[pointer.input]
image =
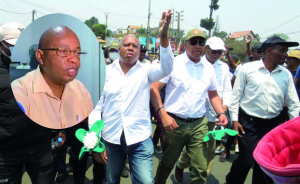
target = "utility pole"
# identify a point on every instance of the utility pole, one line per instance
(178, 27)
(106, 14)
(148, 28)
(33, 12)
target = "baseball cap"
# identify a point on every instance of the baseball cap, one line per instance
(143, 48)
(256, 46)
(114, 45)
(10, 32)
(295, 54)
(276, 40)
(234, 57)
(216, 43)
(194, 33)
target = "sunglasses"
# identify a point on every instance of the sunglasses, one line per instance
(194, 42)
(220, 52)
(258, 51)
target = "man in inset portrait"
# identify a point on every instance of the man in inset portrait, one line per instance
(50, 95)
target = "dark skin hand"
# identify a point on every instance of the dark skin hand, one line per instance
(238, 127)
(100, 157)
(63, 136)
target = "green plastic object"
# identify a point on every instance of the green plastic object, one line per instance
(218, 134)
(81, 133)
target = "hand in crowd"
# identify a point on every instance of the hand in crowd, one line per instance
(222, 120)
(169, 123)
(227, 51)
(63, 136)
(238, 127)
(164, 23)
(100, 157)
(249, 39)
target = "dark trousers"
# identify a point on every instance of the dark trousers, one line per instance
(39, 167)
(255, 129)
(79, 166)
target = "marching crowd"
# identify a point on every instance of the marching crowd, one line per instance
(188, 94)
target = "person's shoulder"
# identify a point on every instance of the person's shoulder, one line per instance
(78, 85)
(24, 80)
(285, 71)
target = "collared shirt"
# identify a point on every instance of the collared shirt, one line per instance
(187, 87)
(124, 103)
(261, 93)
(224, 87)
(145, 61)
(44, 108)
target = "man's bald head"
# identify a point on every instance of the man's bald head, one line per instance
(56, 67)
(54, 33)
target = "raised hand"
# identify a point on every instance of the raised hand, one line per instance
(249, 39)
(164, 23)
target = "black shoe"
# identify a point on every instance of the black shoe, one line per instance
(178, 175)
(61, 177)
(125, 173)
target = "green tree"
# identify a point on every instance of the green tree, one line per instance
(281, 35)
(99, 30)
(142, 31)
(208, 23)
(239, 48)
(90, 22)
(257, 36)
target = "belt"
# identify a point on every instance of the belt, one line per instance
(182, 119)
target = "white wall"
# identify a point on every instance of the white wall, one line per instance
(92, 70)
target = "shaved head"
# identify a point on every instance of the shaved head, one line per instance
(55, 33)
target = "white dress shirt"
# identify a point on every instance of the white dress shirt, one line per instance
(224, 87)
(261, 93)
(124, 103)
(187, 87)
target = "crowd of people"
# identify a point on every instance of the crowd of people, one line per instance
(187, 95)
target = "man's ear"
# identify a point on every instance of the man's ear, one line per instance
(268, 51)
(39, 54)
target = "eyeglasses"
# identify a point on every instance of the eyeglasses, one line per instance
(194, 42)
(65, 52)
(259, 51)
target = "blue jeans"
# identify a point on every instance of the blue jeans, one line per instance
(140, 157)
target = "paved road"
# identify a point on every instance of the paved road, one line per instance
(219, 171)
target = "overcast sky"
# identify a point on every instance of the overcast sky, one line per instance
(264, 17)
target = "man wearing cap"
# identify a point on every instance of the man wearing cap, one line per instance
(124, 107)
(256, 54)
(113, 53)
(50, 95)
(293, 61)
(22, 141)
(143, 51)
(260, 91)
(183, 112)
(214, 48)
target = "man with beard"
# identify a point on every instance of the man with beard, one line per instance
(50, 95)
(260, 91)
(23, 143)
(124, 108)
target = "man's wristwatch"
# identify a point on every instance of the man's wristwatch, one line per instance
(220, 115)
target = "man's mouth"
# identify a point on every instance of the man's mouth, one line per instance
(129, 54)
(72, 72)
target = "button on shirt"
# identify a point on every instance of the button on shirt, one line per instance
(224, 87)
(187, 87)
(124, 103)
(44, 108)
(261, 93)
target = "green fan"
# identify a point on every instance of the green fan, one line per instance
(90, 139)
(218, 134)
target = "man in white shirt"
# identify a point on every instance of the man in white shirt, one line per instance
(260, 91)
(214, 48)
(184, 108)
(124, 108)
